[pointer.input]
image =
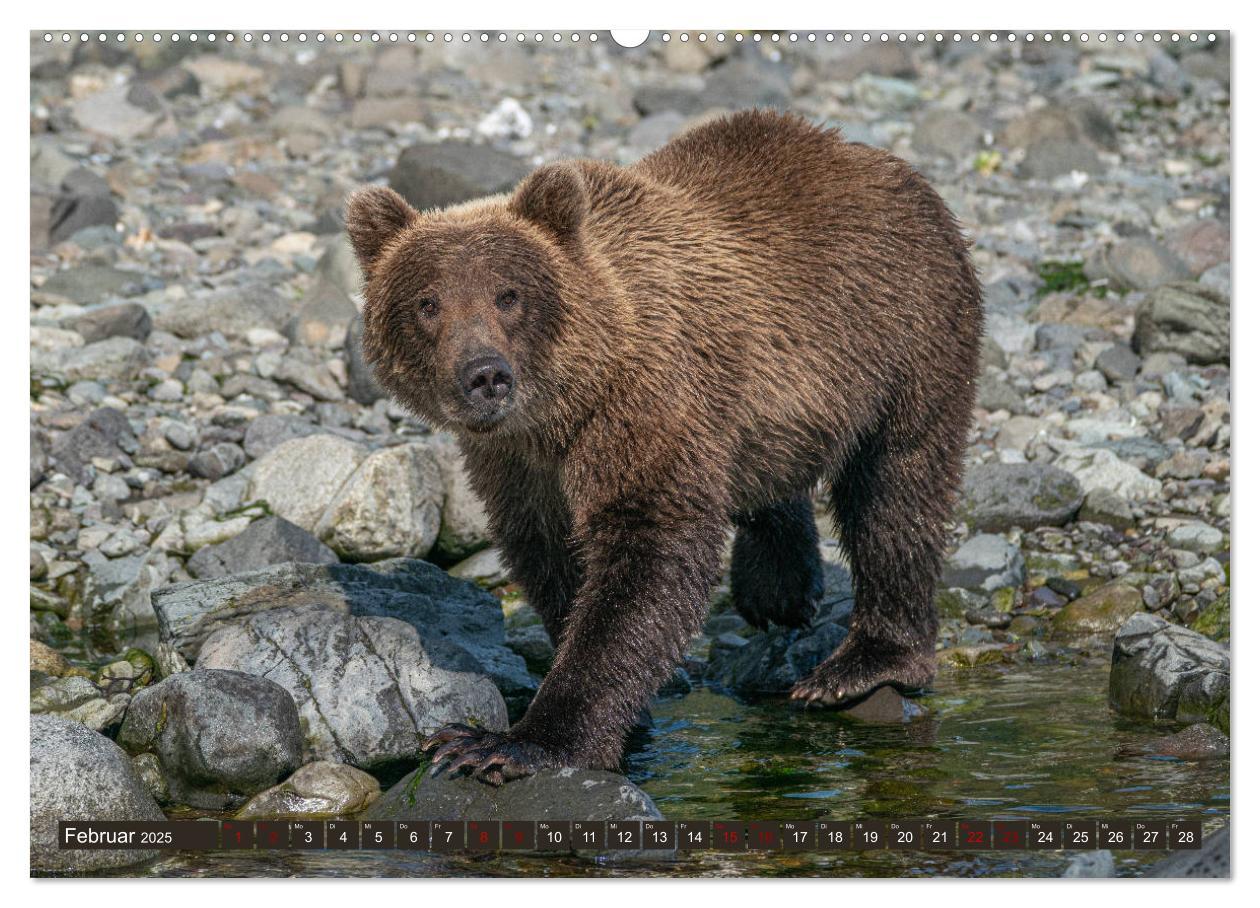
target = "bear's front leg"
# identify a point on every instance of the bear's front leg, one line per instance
(650, 561)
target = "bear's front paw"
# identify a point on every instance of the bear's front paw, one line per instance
(488, 756)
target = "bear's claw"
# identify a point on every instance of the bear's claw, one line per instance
(488, 756)
(855, 669)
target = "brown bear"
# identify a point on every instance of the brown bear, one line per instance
(635, 358)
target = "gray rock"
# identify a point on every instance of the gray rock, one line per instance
(984, 562)
(219, 736)
(1164, 672)
(533, 644)
(1196, 537)
(1091, 865)
(440, 607)
(1059, 343)
(682, 99)
(1101, 611)
(1141, 453)
(368, 689)
(272, 540)
(486, 568)
(745, 81)
(328, 307)
(169, 661)
(465, 523)
(734, 84)
(110, 113)
(89, 284)
(1118, 363)
(232, 311)
(1078, 121)
(272, 429)
(104, 433)
(113, 359)
(1219, 279)
(996, 393)
(885, 92)
(79, 774)
(299, 478)
(149, 772)
(79, 700)
(49, 164)
(217, 461)
(553, 794)
(226, 498)
(1159, 364)
(884, 705)
(38, 458)
(655, 130)
(773, 661)
(84, 201)
(318, 790)
(117, 592)
(1106, 507)
(1138, 263)
(1212, 861)
(1099, 468)
(39, 565)
(434, 176)
(1201, 244)
(1188, 319)
(999, 496)
(362, 385)
(312, 378)
(1195, 742)
(1058, 157)
(947, 133)
(390, 507)
(113, 320)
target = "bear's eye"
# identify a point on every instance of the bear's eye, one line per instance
(428, 306)
(506, 300)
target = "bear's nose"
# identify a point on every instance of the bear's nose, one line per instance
(487, 379)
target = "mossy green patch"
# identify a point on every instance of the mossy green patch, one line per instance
(1213, 621)
(1003, 599)
(1064, 277)
(950, 603)
(1099, 612)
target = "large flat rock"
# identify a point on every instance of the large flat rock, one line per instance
(554, 794)
(368, 690)
(441, 608)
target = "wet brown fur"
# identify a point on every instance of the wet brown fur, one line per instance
(700, 338)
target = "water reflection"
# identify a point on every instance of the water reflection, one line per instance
(1029, 742)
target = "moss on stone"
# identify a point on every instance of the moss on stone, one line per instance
(1213, 621)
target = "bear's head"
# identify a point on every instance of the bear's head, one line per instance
(466, 309)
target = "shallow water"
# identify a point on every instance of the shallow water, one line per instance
(1013, 743)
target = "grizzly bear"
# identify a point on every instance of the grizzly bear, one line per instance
(635, 358)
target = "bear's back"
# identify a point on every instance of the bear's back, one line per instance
(761, 164)
(808, 267)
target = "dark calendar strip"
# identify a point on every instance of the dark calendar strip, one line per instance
(450, 836)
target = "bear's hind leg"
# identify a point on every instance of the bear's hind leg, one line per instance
(891, 500)
(776, 569)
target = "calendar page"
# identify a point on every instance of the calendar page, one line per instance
(630, 453)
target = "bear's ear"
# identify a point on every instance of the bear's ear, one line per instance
(374, 216)
(554, 197)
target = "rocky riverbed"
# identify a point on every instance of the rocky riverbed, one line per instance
(234, 534)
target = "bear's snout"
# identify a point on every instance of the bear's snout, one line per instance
(486, 381)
